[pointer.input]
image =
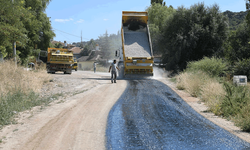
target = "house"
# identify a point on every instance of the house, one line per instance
(86, 62)
(76, 51)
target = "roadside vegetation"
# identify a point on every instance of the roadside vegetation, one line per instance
(204, 48)
(26, 23)
(19, 90)
(208, 80)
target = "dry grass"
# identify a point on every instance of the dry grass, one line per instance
(200, 85)
(15, 78)
(191, 82)
(212, 94)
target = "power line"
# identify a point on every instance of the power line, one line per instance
(70, 34)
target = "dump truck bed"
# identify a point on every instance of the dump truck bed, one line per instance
(136, 44)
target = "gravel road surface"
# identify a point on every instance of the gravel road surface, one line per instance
(93, 114)
(149, 115)
(136, 44)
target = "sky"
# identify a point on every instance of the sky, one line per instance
(89, 19)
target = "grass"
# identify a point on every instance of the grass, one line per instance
(15, 102)
(19, 90)
(220, 95)
(14, 78)
(212, 93)
(191, 82)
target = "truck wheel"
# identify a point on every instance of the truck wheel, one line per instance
(75, 69)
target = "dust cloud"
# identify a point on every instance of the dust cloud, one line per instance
(160, 73)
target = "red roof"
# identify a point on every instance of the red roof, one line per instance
(94, 56)
(76, 50)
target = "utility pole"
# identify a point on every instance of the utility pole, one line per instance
(14, 46)
(81, 39)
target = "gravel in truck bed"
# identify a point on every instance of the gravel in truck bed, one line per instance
(136, 44)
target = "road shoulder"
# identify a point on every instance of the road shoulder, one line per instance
(201, 108)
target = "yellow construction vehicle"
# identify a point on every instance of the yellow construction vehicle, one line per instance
(136, 55)
(59, 60)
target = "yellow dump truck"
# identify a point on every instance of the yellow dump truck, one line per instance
(136, 55)
(59, 60)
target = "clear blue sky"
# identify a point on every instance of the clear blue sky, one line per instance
(94, 17)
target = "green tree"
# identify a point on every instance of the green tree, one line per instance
(158, 15)
(248, 12)
(38, 26)
(25, 22)
(11, 26)
(237, 46)
(88, 47)
(159, 2)
(191, 34)
(105, 45)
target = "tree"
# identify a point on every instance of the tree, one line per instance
(105, 45)
(88, 47)
(237, 46)
(38, 26)
(25, 22)
(248, 12)
(11, 26)
(158, 15)
(159, 2)
(191, 34)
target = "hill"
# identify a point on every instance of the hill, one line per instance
(235, 18)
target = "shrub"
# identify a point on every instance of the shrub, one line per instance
(235, 99)
(212, 66)
(242, 120)
(242, 67)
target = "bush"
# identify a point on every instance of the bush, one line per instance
(212, 66)
(235, 100)
(225, 99)
(242, 67)
(242, 120)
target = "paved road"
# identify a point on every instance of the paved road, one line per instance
(149, 115)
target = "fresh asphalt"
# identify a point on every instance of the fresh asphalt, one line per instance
(150, 116)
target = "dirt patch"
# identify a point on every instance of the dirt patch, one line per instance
(77, 120)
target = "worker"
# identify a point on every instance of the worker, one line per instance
(94, 67)
(113, 67)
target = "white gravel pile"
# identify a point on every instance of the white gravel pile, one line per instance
(136, 44)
